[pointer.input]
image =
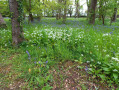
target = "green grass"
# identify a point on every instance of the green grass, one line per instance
(50, 42)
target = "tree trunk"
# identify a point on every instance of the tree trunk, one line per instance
(58, 15)
(17, 30)
(92, 11)
(53, 13)
(100, 9)
(114, 15)
(2, 22)
(30, 14)
(70, 11)
(70, 14)
(103, 19)
(88, 11)
(65, 10)
(30, 17)
(59, 1)
(88, 5)
(77, 14)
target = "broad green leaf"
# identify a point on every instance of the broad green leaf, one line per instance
(102, 76)
(115, 75)
(106, 69)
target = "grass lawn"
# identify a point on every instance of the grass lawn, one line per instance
(56, 56)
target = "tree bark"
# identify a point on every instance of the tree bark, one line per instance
(58, 15)
(92, 11)
(88, 5)
(65, 10)
(100, 9)
(53, 13)
(77, 14)
(2, 22)
(17, 30)
(114, 15)
(70, 11)
(30, 14)
(59, 1)
(103, 19)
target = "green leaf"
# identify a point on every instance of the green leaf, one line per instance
(47, 87)
(106, 69)
(102, 76)
(115, 75)
(98, 71)
(47, 78)
(40, 80)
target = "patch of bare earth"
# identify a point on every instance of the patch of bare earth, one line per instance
(69, 77)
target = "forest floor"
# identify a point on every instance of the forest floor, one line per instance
(62, 55)
(68, 75)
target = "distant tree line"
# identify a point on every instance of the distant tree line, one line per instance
(63, 8)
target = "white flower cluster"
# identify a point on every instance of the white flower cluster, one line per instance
(116, 59)
(54, 34)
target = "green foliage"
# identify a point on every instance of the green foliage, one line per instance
(39, 75)
(37, 8)
(97, 46)
(106, 7)
(45, 7)
(20, 10)
(4, 8)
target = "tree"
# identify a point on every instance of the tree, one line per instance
(2, 22)
(70, 11)
(107, 9)
(4, 9)
(92, 11)
(66, 5)
(114, 16)
(30, 14)
(65, 11)
(77, 14)
(16, 20)
(49, 8)
(37, 9)
(100, 9)
(59, 9)
(88, 5)
(28, 7)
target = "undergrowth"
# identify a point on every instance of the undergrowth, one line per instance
(49, 42)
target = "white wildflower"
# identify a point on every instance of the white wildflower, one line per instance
(99, 62)
(115, 70)
(88, 61)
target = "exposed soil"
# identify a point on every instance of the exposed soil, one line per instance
(69, 77)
